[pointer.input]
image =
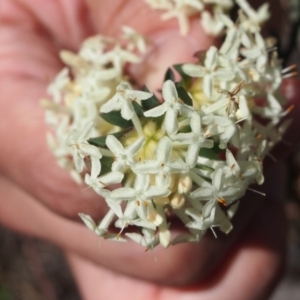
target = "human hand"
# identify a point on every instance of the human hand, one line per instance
(39, 198)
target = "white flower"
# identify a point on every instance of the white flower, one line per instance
(135, 39)
(257, 159)
(211, 216)
(147, 239)
(233, 105)
(255, 18)
(102, 229)
(119, 57)
(238, 170)
(98, 184)
(95, 87)
(56, 88)
(164, 233)
(193, 236)
(210, 71)
(182, 10)
(222, 128)
(82, 149)
(236, 104)
(257, 53)
(122, 100)
(88, 221)
(123, 156)
(217, 192)
(84, 112)
(195, 139)
(160, 4)
(224, 4)
(212, 23)
(272, 110)
(142, 193)
(129, 217)
(93, 48)
(163, 166)
(172, 106)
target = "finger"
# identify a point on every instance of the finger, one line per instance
(249, 273)
(21, 212)
(178, 265)
(28, 59)
(64, 22)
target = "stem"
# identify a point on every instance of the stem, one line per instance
(196, 178)
(137, 124)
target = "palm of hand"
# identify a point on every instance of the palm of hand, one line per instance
(30, 179)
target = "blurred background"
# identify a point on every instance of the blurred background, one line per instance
(31, 269)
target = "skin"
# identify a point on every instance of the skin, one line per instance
(40, 199)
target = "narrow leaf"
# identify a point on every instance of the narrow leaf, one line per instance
(101, 140)
(138, 109)
(106, 163)
(184, 76)
(151, 102)
(183, 95)
(114, 117)
(169, 75)
(212, 153)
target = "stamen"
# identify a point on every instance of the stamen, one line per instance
(222, 201)
(290, 108)
(214, 233)
(257, 192)
(272, 157)
(289, 68)
(86, 188)
(290, 75)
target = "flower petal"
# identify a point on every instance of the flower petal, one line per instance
(88, 221)
(169, 92)
(114, 145)
(164, 150)
(124, 193)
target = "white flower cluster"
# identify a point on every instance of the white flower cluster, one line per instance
(190, 156)
(209, 12)
(89, 79)
(213, 14)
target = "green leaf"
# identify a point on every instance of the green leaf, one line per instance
(205, 168)
(184, 76)
(153, 203)
(212, 153)
(200, 55)
(183, 95)
(169, 75)
(151, 102)
(101, 140)
(114, 117)
(106, 163)
(138, 109)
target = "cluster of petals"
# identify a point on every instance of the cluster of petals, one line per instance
(207, 144)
